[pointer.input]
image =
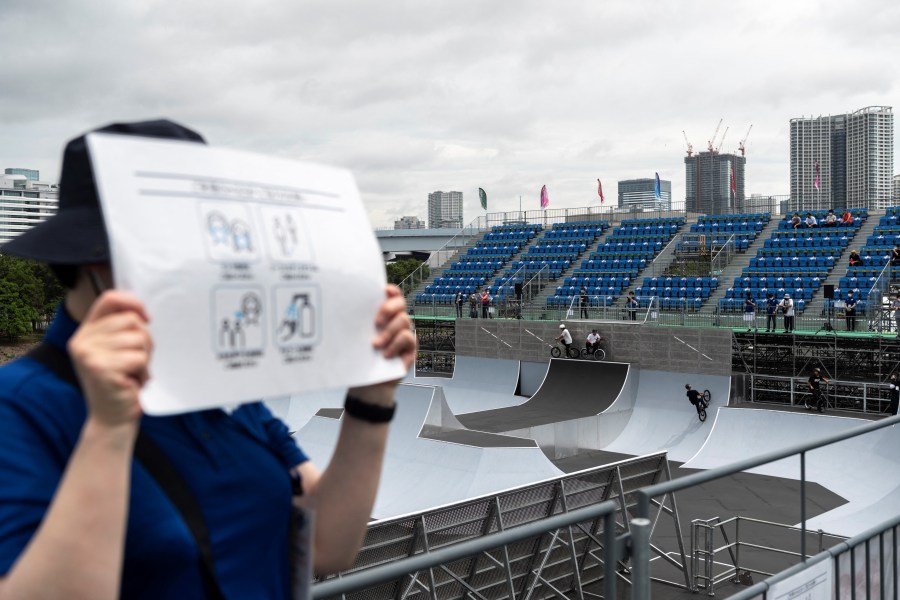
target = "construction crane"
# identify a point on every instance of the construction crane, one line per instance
(741, 143)
(690, 147)
(722, 140)
(715, 133)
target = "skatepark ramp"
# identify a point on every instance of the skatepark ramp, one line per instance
(431, 460)
(551, 565)
(865, 470)
(562, 415)
(480, 383)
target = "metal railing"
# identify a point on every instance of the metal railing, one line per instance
(704, 550)
(435, 558)
(853, 396)
(645, 496)
(871, 575)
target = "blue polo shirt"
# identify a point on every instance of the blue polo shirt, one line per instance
(236, 466)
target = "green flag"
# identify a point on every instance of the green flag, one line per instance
(483, 197)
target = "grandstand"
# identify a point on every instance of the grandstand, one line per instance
(621, 430)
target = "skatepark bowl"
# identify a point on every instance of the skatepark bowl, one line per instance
(475, 484)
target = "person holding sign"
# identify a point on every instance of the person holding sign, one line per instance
(102, 501)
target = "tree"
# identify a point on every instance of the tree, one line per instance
(400, 270)
(29, 294)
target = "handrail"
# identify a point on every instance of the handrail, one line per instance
(828, 554)
(416, 275)
(644, 495)
(382, 573)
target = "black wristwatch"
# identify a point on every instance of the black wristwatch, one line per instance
(366, 411)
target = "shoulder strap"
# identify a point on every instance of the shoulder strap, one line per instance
(156, 463)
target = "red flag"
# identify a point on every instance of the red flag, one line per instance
(600, 191)
(733, 186)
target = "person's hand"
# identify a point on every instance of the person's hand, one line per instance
(111, 353)
(395, 338)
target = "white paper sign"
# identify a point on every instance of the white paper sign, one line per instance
(261, 275)
(816, 582)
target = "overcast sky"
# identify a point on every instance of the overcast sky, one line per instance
(417, 96)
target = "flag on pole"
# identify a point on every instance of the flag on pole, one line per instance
(483, 197)
(816, 182)
(733, 185)
(600, 191)
(545, 199)
(657, 189)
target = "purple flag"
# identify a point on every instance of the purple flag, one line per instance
(816, 183)
(545, 199)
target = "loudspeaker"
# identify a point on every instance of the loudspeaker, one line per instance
(518, 287)
(829, 292)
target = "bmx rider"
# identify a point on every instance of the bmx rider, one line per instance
(814, 381)
(593, 341)
(565, 337)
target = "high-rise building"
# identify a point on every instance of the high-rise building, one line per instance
(896, 190)
(409, 223)
(445, 210)
(30, 174)
(843, 160)
(640, 194)
(24, 203)
(714, 183)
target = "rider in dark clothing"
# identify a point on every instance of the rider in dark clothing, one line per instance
(814, 380)
(692, 394)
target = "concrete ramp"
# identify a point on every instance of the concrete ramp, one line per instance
(477, 384)
(422, 473)
(297, 409)
(663, 419)
(864, 470)
(562, 414)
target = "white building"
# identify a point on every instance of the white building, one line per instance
(445, 210)
(409, 223)
(855, 157)
(24, 203)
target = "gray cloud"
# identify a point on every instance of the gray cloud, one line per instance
(417, 96)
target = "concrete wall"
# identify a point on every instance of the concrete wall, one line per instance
(685, 349)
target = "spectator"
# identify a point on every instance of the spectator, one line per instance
(810, 220)
(847, 218)
(749, 311)
(631, 304)
(850, 311)
(78, 521)
(771, 312)
(583, 301)
(830, 219)
(895, 255)
(485, 303)
(796, 223)
(473, 305)
(459, 301)
(787, 309)
(855, 260)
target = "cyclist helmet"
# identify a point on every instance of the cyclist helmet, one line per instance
(562, 326)
(687, 386)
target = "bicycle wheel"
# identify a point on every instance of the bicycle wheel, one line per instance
(599, 354)
(555, 352)
(585, 353)
(574, 352)
(706, 397)
(701, 412)
(820, 402)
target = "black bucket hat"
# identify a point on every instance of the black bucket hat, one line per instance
(76, 235)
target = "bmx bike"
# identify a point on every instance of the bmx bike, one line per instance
(819, 402)
(597, 354)
(571, 351)
(705, 397)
